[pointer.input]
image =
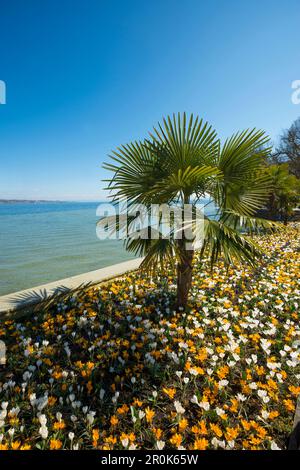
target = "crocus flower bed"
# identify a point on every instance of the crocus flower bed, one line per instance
(115, 367)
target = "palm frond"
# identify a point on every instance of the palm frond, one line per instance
(232, 245)
(246, 184)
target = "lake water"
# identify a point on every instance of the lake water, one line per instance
(45, 242)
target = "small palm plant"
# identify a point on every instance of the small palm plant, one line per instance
(181, 163)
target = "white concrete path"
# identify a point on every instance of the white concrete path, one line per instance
(34, 295)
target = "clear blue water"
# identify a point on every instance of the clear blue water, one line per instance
(44, 242)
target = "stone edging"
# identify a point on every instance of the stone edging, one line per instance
(29, 297)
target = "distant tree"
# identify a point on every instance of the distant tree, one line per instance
(288, 150)
(285, 195)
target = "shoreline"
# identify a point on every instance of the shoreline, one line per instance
(20, 300)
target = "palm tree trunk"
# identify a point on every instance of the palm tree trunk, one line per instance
(184, 279)
(272, 208)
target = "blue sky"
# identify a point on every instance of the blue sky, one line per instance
(83, 77)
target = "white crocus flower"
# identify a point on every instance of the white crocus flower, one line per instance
(265, 414)
(179, 408)
(253, 386)
(205, 405)
(194, 400)
(220, 412)
(223, 383)
(43, 420)
(132, 447)
(43, 432)
(160, 445)
(263, 395)
(125, 442)
(241, 397)
(90, 417)
(274, 446)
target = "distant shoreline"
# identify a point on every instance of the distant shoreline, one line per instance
(44, 201)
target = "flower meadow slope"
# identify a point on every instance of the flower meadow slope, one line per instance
(115, 367)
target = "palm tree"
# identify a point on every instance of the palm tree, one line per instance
(181, 163)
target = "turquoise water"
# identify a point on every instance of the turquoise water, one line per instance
(44, 242)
